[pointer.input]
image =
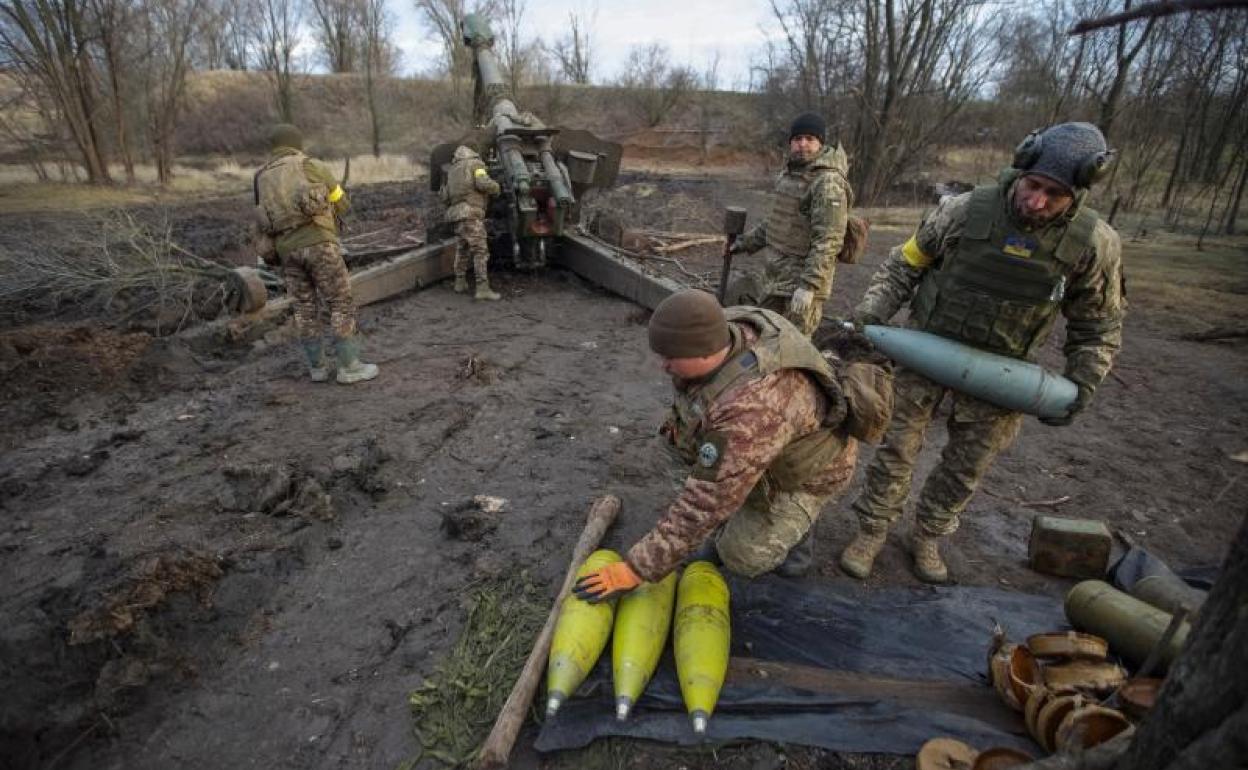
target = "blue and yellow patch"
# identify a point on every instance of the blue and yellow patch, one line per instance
(1019, 246)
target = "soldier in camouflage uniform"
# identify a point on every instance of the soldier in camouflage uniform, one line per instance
(298, 202)
(467, 190)
(991, 268)
(804, 229)
(759, 415)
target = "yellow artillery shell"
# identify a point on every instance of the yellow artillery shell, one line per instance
(581, 634)
(702, 636)
(642, 620)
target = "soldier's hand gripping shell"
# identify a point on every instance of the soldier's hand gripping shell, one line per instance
(1081, 402)
(607, 583)
(800, 303)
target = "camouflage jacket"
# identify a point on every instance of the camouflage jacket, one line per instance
(1094, 303)
(319, 229)
(753, 423)
(468, 187)
(805, 227)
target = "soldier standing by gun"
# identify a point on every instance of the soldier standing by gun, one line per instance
(298, 201)
(804, 231)
(991, 268)
(466, 193)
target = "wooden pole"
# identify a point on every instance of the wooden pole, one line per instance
(497, 746)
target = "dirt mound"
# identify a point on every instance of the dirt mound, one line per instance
(51, 359)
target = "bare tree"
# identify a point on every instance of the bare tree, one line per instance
(49, 41)
(516, 52)
(380, 61)
(113, 21)
(653, 86)
(168, 27)
(337, 32)
(277, 36)
(574, 50)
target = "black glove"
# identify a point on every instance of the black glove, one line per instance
(860, 320)
(1081, 402)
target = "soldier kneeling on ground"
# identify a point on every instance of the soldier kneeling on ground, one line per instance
(298, 202)
(768, 425)
(466, 193)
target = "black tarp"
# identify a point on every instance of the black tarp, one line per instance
(911, 664)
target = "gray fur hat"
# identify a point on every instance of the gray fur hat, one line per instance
(1072, 154)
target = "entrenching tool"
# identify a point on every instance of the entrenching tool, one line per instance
(497, 746)
(734, 225)
(702, 632)
(642, 619)
(581, 634)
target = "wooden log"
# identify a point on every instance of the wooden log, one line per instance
(497, 746)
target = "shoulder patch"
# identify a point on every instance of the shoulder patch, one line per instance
(710, 456)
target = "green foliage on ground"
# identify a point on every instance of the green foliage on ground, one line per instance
(456, 706)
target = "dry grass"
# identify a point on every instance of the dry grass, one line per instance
(1193, 289)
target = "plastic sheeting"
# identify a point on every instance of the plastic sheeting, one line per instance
(839, 666)
(1137, 564)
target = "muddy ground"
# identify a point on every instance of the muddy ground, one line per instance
(209, 561)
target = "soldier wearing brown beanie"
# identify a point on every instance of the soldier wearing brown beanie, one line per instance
(759, 416)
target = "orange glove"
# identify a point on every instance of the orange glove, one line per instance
(607, 583)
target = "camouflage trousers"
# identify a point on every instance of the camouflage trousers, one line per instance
(753, 289)
(759, 535)
(470, 235)
(978, 432)
(317, 274)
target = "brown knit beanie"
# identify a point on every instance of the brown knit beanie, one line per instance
(688, 324)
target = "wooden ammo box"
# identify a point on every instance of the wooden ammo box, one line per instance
(1077, 548)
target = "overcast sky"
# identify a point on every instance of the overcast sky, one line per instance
(694, 30)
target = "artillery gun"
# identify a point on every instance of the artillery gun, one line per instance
(544, 172)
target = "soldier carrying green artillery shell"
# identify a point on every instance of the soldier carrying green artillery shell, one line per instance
(297, 201)
(761, 416)
(991, 268)
(804, 231)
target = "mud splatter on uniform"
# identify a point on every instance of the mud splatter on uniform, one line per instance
(766, 456)
(1076, 262)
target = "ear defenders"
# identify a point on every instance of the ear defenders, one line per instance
(1089, 171)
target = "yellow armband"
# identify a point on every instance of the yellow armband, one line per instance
(337, 194)
(914, 255)
(480, 173)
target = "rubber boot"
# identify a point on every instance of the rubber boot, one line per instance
(859, 556)
(314, 352)
(461, 283)
(928, 566)
(485, 292)
(350, 369)
(801, 557)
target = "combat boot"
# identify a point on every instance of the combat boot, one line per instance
(314, 352)
(485, 292)
(350, 368)
(801, 557)
(928, 566)
(859, 556)
(461, 284)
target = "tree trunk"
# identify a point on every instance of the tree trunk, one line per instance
(1201, 716)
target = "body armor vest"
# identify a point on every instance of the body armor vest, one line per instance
(779, 346)
(282, 191)
(1001, 287)
(463, 198)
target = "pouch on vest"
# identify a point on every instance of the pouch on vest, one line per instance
(869, 395)
(855, 243)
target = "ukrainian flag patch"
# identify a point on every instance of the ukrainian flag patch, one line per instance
(1019, 246)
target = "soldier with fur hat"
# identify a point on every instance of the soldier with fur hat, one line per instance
(298, 201)
(804, 230)
(759, 416)
(991, 268)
